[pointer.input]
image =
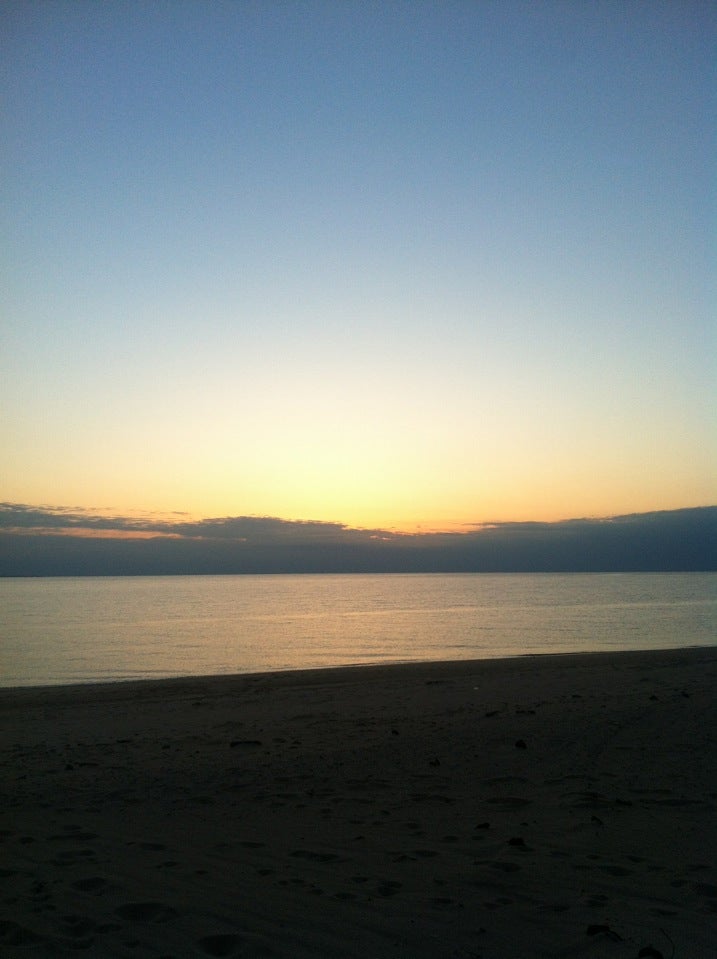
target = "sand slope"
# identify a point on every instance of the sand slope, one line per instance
(552, 806)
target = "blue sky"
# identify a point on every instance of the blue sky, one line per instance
(394, 264)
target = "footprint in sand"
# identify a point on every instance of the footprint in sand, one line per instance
(503, 866)
(445, 902)
(74, 836)
(708, 892)
(615, 870)
(91, 884)
(12, 934)
(597, 901)
(388, 888)
(221, 944)
(79, 928)
(69, 857)
(314, 856)
(145, 912)
(509, 802)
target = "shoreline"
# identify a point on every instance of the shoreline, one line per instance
(156, 683)
(553, 804)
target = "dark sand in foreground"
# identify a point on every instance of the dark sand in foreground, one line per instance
(550, 806)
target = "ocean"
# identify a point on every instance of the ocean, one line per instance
(87, 629)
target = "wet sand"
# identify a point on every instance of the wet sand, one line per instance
(542, 806)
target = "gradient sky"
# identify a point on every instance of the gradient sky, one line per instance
(386, 264)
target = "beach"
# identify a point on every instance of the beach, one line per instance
(535, 806)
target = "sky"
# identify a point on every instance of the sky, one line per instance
(407, 266)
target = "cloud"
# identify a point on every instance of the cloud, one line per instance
(260, 530)
(63, 519)
(46, 541)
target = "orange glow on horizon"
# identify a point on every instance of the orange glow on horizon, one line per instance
(84, 532)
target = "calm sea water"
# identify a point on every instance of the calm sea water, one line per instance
(67, 630)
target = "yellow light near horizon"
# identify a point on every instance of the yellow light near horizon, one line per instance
(379, 460)
(363, 502)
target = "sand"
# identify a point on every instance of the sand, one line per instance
(542, 806)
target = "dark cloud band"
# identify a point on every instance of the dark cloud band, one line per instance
(44, 541)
